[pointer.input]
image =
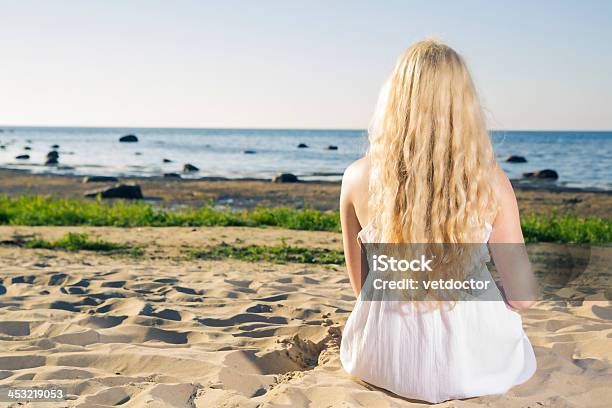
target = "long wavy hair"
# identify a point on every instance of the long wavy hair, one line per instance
(432, 162)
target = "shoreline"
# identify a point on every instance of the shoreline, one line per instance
(517, 184)
(248, 193)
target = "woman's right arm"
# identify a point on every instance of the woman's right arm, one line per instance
(350, 228)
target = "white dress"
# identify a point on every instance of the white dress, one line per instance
(476, 348)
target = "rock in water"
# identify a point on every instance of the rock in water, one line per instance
(129, 191)
(23, 157)
(542, 174)
(249, 152)
(128, 139)
(51, 161)
(285, 178)
(172, 175)
(302, 146)
(515, 159)
(332, 147)
(100, 179)
(27, 148)
(190, 168)
(167, 161)
(55, 146)
(53, 155)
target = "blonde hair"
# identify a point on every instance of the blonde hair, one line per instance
(432, 162)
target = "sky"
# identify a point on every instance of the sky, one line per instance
(540, 65)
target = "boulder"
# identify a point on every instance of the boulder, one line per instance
(285, 178)
(100, 179)
(128, 191)
(515, 159)
(249, 152)
(23, 157)
(51, 161)
(172, 175)
(302, 146)
(542, 174)
(128, 139)
(332, 147)
(167, 161)
(53, 155)
(190, 168)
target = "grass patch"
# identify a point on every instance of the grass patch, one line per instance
(567, 229)
(37, 210)
(271, 253)
(77, 242)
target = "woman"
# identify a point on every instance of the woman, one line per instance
(430, 176)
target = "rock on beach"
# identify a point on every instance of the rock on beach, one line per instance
(285, 178)
(128, 191)
(100, 179)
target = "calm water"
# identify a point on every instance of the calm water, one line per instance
(582, 159)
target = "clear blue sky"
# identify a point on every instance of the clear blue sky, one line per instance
(319, 64)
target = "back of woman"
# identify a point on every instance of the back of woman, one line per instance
(430, 178)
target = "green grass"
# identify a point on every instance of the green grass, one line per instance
(567, 229)
(37, 210)
(75, 242)
(271, 253)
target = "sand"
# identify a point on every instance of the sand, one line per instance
(161, 330)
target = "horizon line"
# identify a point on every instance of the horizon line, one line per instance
(347, 129)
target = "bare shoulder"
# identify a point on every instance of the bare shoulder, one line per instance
(356, 176)
(355, 186)
(504, 186)
(507, 209)
(357, 170)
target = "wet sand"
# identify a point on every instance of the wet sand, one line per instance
(541, 199)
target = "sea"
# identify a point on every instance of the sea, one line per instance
(582, 159)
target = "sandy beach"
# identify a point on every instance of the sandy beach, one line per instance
(160, 328)
(163, 330)
(172, 224)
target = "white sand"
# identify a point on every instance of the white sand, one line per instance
(164, 332)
